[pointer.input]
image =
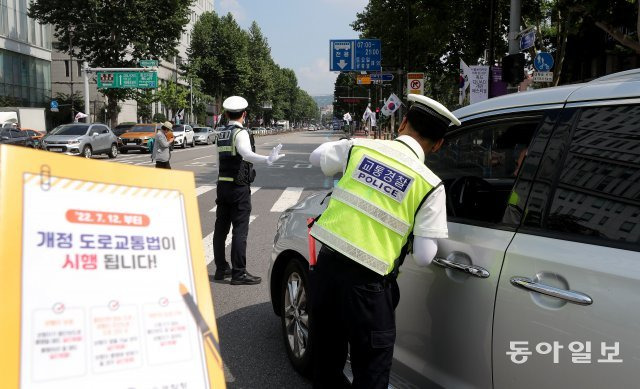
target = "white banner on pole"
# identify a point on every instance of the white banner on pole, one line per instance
(479, 83)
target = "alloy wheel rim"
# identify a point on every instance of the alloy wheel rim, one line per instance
(87, 152)
(296, 315)
(114, 151)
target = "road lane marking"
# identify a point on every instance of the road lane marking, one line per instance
(204, 189)
(207, 242)
(254, 189)
(289, 198)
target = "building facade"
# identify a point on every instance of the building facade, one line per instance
(25, 57)
(65, 69)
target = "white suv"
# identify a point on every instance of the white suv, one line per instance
(540, 274)
(183, 136)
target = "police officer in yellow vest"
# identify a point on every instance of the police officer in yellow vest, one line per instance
(236, 155)
(386, 203)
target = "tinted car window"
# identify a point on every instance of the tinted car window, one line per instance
(70, 130)
(178, 128)
(201, 129)
(150, 128)
(102, 129)
(598, 189)
(479, 165)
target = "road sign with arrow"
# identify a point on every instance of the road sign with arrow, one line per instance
(355, 55)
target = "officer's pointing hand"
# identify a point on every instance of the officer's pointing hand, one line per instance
(274, 156)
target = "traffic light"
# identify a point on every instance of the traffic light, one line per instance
(513, 68)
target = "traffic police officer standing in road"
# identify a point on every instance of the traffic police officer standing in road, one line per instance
(386, 202)
(236, 156)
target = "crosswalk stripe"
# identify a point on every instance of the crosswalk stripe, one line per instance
(254, 189)
(204, 189)
(207, 242)
(288, 199)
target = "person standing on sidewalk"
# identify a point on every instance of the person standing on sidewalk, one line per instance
(236, 156)
(161, 153)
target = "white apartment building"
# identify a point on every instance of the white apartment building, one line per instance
(25, 57)
(63, 70)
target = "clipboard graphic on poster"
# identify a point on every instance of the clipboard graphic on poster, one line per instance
(106, 285)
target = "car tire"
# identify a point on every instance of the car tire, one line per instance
(87, 152)
(113, 152)
(184, 144)
(209, 141)
(295, 317)
(193, 143)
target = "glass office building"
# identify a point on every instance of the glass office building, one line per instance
(25, 57)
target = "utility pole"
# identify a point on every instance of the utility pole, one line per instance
(85, 72)
(191, 103)
(514, 26)
(71, 74)
(490, 58)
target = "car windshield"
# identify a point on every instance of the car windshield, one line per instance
(70, 130)
(122, 130)
(149, 128)
(178, 129)
(200, 129)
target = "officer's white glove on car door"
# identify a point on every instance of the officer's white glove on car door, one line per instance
(274, 156)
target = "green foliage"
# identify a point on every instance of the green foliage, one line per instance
(173, 96)
(144, 100)
(159, 117)
(115, 33)
(230, 61)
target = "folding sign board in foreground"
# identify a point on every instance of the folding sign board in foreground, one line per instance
(104, 283)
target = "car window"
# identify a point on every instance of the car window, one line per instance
(143, 128)
(70, 130)
(597, 190)
(479, 165)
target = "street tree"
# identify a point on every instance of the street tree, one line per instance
(173, 96)
(115, 33)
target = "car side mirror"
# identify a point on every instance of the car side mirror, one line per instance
(95, 134)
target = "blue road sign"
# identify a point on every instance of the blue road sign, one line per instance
(355, 55)
(384, 77)
(54, 104)
(527, 40)
(543, 62)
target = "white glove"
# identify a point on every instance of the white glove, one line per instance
(274, 156)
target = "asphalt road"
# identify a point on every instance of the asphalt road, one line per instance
(250, 335)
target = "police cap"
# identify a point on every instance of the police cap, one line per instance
(434, 109)
(235, 104)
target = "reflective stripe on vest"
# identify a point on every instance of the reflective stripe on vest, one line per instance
(349, 250)
(375, 212)
(372, 210)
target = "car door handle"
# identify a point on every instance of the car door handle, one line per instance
(476, 271)
(569, 295)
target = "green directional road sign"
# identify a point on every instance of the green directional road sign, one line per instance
(134, 80)
(148, 63)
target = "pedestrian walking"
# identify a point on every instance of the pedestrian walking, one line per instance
(160, 152)
(386, 204)
(236, 156)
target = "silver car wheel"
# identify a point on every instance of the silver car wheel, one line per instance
(86, 152)
(296, 315)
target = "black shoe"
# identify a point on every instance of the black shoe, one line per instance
(246, 279)
(221, 275)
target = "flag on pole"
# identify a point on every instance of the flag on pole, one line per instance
(391, 105)
(465, 76)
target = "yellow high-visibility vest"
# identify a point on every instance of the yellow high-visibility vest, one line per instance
(372, 209)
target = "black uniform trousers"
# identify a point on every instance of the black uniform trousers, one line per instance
(234, 208)
(352, 305)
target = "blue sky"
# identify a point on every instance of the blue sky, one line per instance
(299, 32)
